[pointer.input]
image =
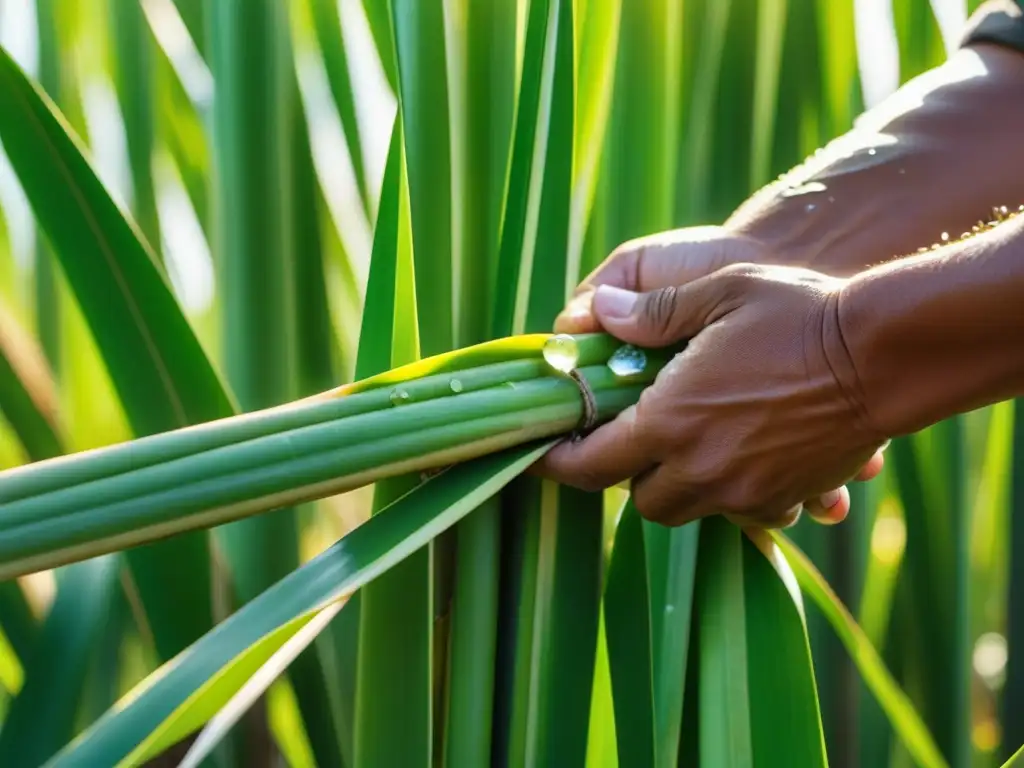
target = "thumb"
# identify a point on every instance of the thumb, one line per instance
(656, 318)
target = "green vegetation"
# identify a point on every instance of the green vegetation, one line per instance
(291, 516)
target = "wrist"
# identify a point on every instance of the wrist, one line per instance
(935, 335)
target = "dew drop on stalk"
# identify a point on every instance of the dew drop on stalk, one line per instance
(399, 397)
(627, 361)
(561, 352)
(455, 386)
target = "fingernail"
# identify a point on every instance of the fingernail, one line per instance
(830, 499)
(613, 302)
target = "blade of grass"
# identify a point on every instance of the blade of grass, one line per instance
(184, 89)
(178, 699)
(327, 25)
(920, 41)
(630, 650)
(316, 347)
(133, 82)
(554, 565)
(423, 99)
(930, 476)
(47, 301)
(720, 600)
(771, 30)
(603, 739)
(699, 110)
(194, 17)
(38, 722)
(315, 373)
(395, 673)
(256, 685)
(671, 560)
(785, 723)
(1013, 692)
(379, 18)
(597, 55)
(640, 185)
(644, 130)
(158, 367)
(252, 122)
(19, 623)
(481, 55)
(894, 702)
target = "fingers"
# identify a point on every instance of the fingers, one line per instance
(612, 453)
(830, 508)
(648, 263)
(660, 317)
(660, 496)
(873, 468)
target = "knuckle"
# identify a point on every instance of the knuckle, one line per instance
(659, 308)
(736, 279)
(649, 510)
(585, 479)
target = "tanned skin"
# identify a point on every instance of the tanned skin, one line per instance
(816, 331)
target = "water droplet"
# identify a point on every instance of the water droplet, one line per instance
(627, 361)
(455, 386)
(902, 171)
(831, 199)
(944, 237)
(561, 352)
(810, 207)
(872, 151)
(399, 397)
(804, 189)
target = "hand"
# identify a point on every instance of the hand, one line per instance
(749, 420)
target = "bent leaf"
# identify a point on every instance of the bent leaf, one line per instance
(894, 702)
(180, 696)
(158, 368)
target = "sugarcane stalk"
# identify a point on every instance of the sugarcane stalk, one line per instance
(419, 418)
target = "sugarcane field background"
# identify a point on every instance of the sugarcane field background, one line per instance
(370, 212)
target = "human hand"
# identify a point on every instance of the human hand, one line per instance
(750, 419)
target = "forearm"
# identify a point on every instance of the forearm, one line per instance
(935, 157)
(927, 337)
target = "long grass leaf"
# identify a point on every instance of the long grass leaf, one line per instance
(179, 698)
(904, 719)
(159, 370)
(481, 50)
(133, 81)
(327, 26)
(720, 601)
(785, 723)
(671, 561)
(628, 628)
(39, 722)
(256, 685)
(395, 670)
(252, 127)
